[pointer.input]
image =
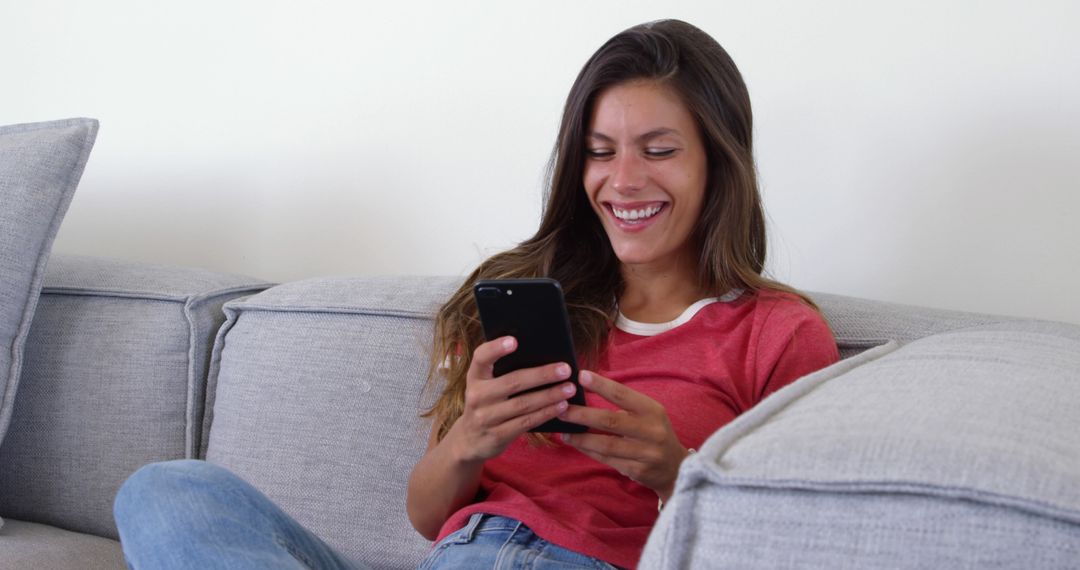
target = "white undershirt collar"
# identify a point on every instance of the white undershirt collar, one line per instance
(652, 329)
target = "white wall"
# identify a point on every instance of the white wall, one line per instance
(918, 152)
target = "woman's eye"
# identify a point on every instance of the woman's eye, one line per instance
(659, 152)
(599, 153)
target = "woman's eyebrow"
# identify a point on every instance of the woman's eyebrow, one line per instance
(657, 133)
(645, 137)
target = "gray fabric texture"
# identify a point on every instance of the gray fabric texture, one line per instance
(40, 166)
(788, 528)
(859, 324)
(115, 378)
(317, 386)
(25, 545)
(973, 431)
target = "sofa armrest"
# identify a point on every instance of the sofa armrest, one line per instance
(958, 450)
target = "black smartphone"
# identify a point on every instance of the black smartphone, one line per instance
(533, 312)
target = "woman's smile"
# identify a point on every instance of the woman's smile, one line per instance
(634, 216)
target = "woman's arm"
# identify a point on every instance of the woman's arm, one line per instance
(447, 477)
(440, 484)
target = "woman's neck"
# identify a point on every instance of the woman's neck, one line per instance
(657, 293)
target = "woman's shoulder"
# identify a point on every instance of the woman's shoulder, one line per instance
(786, 302)
(793, 339)
(776, 309)
(763, 309)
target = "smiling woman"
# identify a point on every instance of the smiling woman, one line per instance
(655, 229)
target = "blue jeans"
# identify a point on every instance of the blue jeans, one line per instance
(195, 515)
(501, 543)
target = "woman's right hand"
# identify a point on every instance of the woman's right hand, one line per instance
(447, 477)
(492, 419)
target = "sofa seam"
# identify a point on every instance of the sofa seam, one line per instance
(245, 306)
(915, 488)
(193, 432)
(147, 295)
(213, 371)
(864, 342)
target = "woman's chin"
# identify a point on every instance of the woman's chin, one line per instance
(635, 257)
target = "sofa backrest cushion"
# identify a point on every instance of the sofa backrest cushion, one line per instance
(859, 324)
(316, 388)
(960, 447)
(115, 378)
(40, 166)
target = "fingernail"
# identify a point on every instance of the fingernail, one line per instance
(565, 437)
(568, 389)
(508, 343)
(561, 406)
(563, 371)
(585, 378)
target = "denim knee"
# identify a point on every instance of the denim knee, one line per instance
(143, 491)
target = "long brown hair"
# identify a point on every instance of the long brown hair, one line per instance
(571, 245)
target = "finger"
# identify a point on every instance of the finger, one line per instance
(485, 355)
(623, 397)
(626, 467)
(612, 447)
(528, 378)
(611, 421)
(528, 403)
(518, 425)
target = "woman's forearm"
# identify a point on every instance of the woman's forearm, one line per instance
(441, 483)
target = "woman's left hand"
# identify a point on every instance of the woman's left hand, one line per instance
(642, 444)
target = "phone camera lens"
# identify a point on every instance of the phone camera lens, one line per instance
(488, 292)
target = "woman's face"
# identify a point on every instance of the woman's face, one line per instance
(645, 172)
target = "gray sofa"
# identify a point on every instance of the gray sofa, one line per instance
(942, 440)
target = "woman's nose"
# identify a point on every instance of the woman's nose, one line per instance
(628, 174)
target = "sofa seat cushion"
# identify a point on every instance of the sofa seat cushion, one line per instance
(115, 378)
(959, 450)
(33, 545)
(317, 389)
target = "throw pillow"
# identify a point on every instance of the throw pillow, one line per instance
(40, 166)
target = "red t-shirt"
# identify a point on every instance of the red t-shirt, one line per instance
(715, 361)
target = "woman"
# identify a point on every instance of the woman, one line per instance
(654, 225)
(655, 230)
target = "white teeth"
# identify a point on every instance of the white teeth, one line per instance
(634, 215)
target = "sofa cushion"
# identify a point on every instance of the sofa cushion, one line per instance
(318, 386)
(40, 166)
(960, 450)
(32, 545)
(114, 379)
(859, 324)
